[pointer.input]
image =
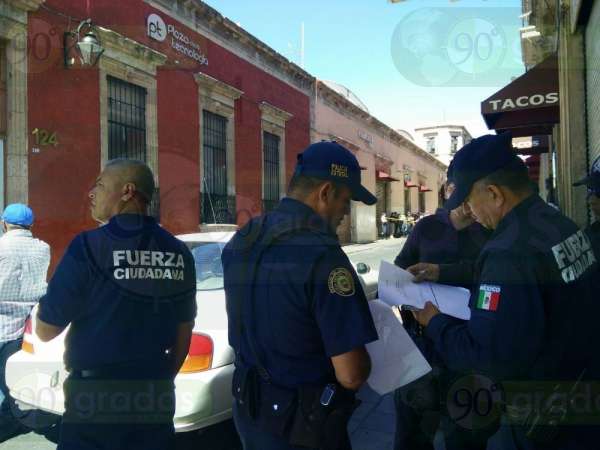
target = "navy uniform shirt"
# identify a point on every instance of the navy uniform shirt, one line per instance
(435, 240)
(308, 303)
(124, 288)
(593, 232)
(533, 308)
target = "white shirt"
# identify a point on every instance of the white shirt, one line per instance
(24, 264)
(383, 218)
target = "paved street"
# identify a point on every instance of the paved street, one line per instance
(371, 427)
(372, 254)
(220, 437)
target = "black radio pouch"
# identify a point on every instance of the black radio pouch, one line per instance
(322, 426)
(245, 390)
(277, 409)
(270, 406)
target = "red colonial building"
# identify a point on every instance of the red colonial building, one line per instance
(217, 114)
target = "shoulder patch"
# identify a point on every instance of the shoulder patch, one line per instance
(340, 282)
(489, 297)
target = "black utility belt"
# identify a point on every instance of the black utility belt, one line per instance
(308, 416)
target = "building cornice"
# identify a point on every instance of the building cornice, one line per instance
(209, 22)
(276, 113)
(436, 127)
(130, 52)
(343, 104)
(211, 84)
(13, 14)
(25, 5)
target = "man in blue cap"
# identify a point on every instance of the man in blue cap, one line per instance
(532, 307)
(24, 263)
(298, 317)
(592, 182)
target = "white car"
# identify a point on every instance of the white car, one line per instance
(35, 374)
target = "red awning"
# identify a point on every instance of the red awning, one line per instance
(423, 188)
(528, 105)
(409, 184)
(384, 176)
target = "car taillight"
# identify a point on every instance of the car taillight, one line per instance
(200, 354)
(27, 345)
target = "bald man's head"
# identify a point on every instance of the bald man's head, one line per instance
(125, 186)
(135, 172)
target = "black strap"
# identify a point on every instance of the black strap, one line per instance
(271, 236)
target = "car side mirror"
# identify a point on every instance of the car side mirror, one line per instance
(362, 268)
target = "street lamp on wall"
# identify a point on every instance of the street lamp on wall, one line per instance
(86, 46)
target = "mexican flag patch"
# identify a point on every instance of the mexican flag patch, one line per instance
(489, 297)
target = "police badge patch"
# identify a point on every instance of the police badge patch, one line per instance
(340, 282)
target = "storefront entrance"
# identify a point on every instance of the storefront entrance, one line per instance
(382, 202)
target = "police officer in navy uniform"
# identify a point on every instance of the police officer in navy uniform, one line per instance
(452, 241)
(532, 308)
(298, 316)
(127, 289)
(592, 182)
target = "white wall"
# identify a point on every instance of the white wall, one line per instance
(443, 140)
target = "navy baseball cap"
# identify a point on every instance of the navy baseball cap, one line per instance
(328, 160)
(478, 159)
(450, 172)
(18, 214)
(592, 181)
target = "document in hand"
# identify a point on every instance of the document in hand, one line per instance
(396, 287)
(395, 359)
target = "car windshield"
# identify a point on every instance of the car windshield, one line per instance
(209, 271)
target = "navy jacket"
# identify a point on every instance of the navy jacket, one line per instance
(533, 307)
(593, 232)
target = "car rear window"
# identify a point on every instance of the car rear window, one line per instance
(209, 271)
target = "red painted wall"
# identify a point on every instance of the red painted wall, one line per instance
(67, 101)
(178, 151)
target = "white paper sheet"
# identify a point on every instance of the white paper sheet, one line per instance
(395, 359)
(396, 287)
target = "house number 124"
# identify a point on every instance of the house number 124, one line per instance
(44, 137)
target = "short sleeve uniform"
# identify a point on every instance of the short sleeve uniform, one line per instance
(308, 304)
(123, 289)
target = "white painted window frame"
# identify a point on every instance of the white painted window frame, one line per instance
(134, 63)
